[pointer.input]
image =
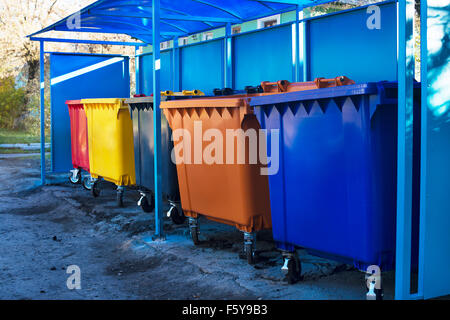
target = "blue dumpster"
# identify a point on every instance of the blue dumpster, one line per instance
(335, 191)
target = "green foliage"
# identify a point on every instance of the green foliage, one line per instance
(19, 107)
(12, 104)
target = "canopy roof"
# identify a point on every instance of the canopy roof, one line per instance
(178, 17)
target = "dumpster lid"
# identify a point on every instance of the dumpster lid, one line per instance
(102, 100)
(72, 102)
(141, 103)
(211, 102)
(232, 101)
(326, 93)
(139, 100)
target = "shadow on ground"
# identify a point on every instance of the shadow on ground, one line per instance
(46, 229)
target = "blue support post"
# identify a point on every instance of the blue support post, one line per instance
(404, 163)
(304, 48)
(136, 71)
(434, 243)
(228, 57)
(423, 139)
(159, 232)
(296, 43)
(176, 65)
(110, 43)
(42, 100)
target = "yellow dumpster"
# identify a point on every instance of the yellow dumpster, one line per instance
(111, 148)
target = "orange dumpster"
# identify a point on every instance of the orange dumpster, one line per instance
(234, 194)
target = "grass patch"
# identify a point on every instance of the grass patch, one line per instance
(19, 151)
(10, 137)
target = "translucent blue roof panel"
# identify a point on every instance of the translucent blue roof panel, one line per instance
(178, 17)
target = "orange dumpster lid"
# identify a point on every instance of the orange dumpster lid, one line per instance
(233, 101)
(204, 103)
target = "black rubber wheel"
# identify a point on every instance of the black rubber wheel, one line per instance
(294, 274)
(87, 183)
(95, 189)
(146, 205)
(194, 235)
(379, 293)
(249, 253)
(176, 217)
(77, 179)
(119, 199)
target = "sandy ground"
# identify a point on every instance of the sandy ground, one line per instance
(44, 230)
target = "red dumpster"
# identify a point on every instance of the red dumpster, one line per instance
(79, 140)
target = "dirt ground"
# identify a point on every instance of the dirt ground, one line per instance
(44, 230)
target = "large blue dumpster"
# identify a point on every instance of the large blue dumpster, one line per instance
(335, 191)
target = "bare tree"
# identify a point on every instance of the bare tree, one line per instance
(19, 18)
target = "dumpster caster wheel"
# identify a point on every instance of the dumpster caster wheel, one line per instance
(292, 268)
(119, 197)
(294, 271)
(75, 177)
(87, 183)
(95, 189)
(194, 235)
(193, 227)
(249, 247)
(249, 253)
(379, 293)
(146, 202)
(175, 214)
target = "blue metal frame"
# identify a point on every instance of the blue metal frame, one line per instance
(136, 71)
(42, 101)
(423, 139)
(434, 252)
(228, 56)
(86, 54)
(159, 230)
(296, 42)
(404, 164)
(176, 65)
(111, 43)
(304, 50)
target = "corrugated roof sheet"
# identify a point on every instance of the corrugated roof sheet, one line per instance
(178, 17)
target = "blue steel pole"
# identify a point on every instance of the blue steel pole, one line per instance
(136, 71)
(159, 232)
(228, 57)
(404, 163)
(42, 101)
(176, 65)
(297, 46)
(111, 43)
(423, 139)
(304, 49)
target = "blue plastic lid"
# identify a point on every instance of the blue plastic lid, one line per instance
(326, 93)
